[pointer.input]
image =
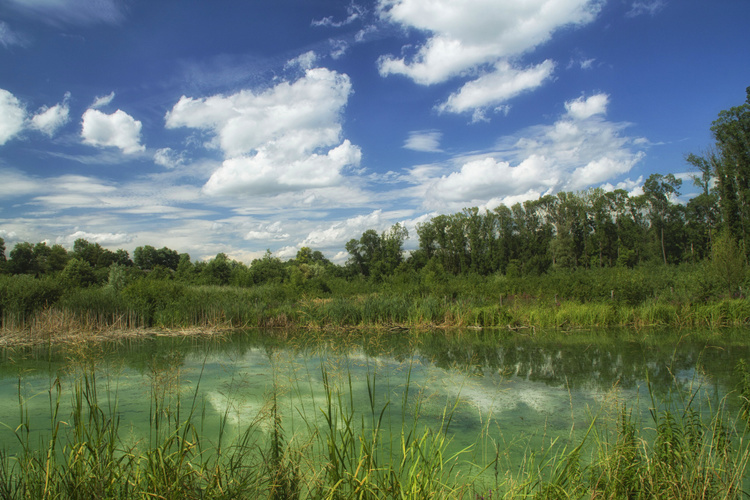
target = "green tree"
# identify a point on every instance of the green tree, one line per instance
(168, 258)
(727, 264)
(703, 211)
(123, 258)
(504, 242)
(148, 257)
(658, 190)
(604, 211)
(117, 277)
(377, 255)
(2, 254)
(185, 268)
(22, 259)
(78, 273)
(268, 269)
(58, 258)
(144, 257)
(730, 163)
(217, 271)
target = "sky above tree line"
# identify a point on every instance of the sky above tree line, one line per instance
(238, 127)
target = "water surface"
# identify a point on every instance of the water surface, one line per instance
(500, 392)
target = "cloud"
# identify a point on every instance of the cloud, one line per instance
(8, 235)
(72, 11)
(586, 63)
(49, 120)
(304, 114)
(578, 150)
(462, 36)
(104, 239)
(267, 173)
(304, 61)
(338, 48)
(12, 116)
(581, 108)
(633, 187)
(490, 178)
(648, 7)
(16, 183)
(497, 87)
(285, 138)
(353, 11)
(168, 158)
(338, 233)
(425, 140)
(102, 101)
(272, 232)
(8, 37)
(116, 130)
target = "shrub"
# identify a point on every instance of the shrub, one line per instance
(23, 295)
(148, 297)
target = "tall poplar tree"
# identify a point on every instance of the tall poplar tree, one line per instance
(731, 130)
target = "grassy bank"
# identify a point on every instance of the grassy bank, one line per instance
(346, 452)
(40, 309)
(95, 314)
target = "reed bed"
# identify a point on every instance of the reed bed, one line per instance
(171, 306)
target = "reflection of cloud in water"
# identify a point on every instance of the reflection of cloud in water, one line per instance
(253, 356)
(245, 412)
(497, 399)
(497, 396)
(360, 358)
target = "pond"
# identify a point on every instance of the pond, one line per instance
(496, 394)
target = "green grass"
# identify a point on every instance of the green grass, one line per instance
(649, 295)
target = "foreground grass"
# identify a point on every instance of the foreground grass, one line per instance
(349, 452)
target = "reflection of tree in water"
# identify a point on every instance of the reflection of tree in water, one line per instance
(586, 359)
(597, 361)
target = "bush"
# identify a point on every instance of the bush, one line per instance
(23, 295)
(148, 297)
(78, 273)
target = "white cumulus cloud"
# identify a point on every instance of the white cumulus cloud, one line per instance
(116, 130)
(464, 37)
(286, 138)
(104, 239)
(578, 150)
(268, 173)
(340, 232)
(168, 158)
(468, 33)
(583, 108)
(12, 116)
(49, 120)
(271, 231)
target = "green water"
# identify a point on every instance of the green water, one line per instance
(502, 393)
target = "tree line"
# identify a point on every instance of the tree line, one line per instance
(584, 230)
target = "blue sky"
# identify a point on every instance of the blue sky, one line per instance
(238, 127)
